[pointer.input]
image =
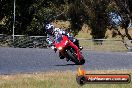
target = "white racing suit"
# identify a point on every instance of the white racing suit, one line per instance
(50, 38)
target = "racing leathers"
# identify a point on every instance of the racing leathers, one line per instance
(57, 31)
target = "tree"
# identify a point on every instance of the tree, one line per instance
(31, 15)
(125, 13)
(91, 12)
(6, 18)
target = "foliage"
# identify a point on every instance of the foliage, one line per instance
(6, 18)
(91, 12)
(31, 15)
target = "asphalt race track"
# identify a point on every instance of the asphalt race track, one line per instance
(28, 60)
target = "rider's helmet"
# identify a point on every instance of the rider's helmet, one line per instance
(49, 28)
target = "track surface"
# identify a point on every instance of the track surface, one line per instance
(20, 60)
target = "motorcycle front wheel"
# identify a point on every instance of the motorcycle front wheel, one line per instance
(72, 55)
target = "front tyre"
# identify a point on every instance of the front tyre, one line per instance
(72, 55)
(82, 61)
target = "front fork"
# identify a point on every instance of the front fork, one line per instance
(77, 50)
(71, 44)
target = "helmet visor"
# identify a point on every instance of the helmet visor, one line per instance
(50, 30)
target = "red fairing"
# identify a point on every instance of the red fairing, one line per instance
(63, 42)
(76, 49)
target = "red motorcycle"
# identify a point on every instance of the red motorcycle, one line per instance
(69, 50)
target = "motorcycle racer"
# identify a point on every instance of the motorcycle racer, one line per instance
(52, 34)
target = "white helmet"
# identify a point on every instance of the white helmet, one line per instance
(49, 28)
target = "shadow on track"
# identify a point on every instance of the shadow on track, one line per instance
(66, 65)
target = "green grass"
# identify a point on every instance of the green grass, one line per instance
(61, 79)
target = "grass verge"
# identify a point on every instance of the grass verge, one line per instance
(113, 46)
(56, 79)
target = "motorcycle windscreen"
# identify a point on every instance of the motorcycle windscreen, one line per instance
(59, 39)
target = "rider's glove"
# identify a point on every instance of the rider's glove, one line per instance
(52, 47)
